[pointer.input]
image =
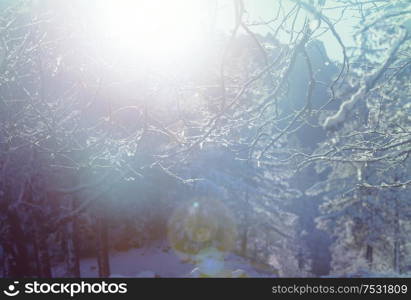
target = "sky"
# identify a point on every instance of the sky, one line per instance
(263, 10)
(163, 22)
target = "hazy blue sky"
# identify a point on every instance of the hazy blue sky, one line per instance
(266, 9)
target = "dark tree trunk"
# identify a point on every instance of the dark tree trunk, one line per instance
(38, 197)
(397, 237)
(35, 253)
(43, 257)
(244, 238)
(71, 250)
(102, 244)
(16, 262)
(369, 255)
(244, 242)
(71, 245)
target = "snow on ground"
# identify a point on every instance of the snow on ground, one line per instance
(134, 261)
(159, 260)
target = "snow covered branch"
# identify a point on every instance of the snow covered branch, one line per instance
(333, 122)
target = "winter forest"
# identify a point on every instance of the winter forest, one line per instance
(205, 138)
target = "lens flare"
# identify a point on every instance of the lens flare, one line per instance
(200, 225)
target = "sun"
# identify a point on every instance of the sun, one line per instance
(157, 30)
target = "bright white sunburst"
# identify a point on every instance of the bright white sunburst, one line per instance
(154, 29)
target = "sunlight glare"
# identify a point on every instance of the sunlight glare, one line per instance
(154, 29)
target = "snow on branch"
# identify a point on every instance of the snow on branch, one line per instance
(387, 185)
(364, 87)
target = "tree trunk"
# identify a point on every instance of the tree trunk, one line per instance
(37, 196)
(102, 245)
(41, 231)
(71, 243)
(397, 245)
(35, 253)
(43, 256)
(16, 262)
(244, 239)
(369, 255)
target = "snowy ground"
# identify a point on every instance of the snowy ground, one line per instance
(162, 261)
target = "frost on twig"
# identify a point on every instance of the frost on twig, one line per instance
(337, 119)
(364, 87)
